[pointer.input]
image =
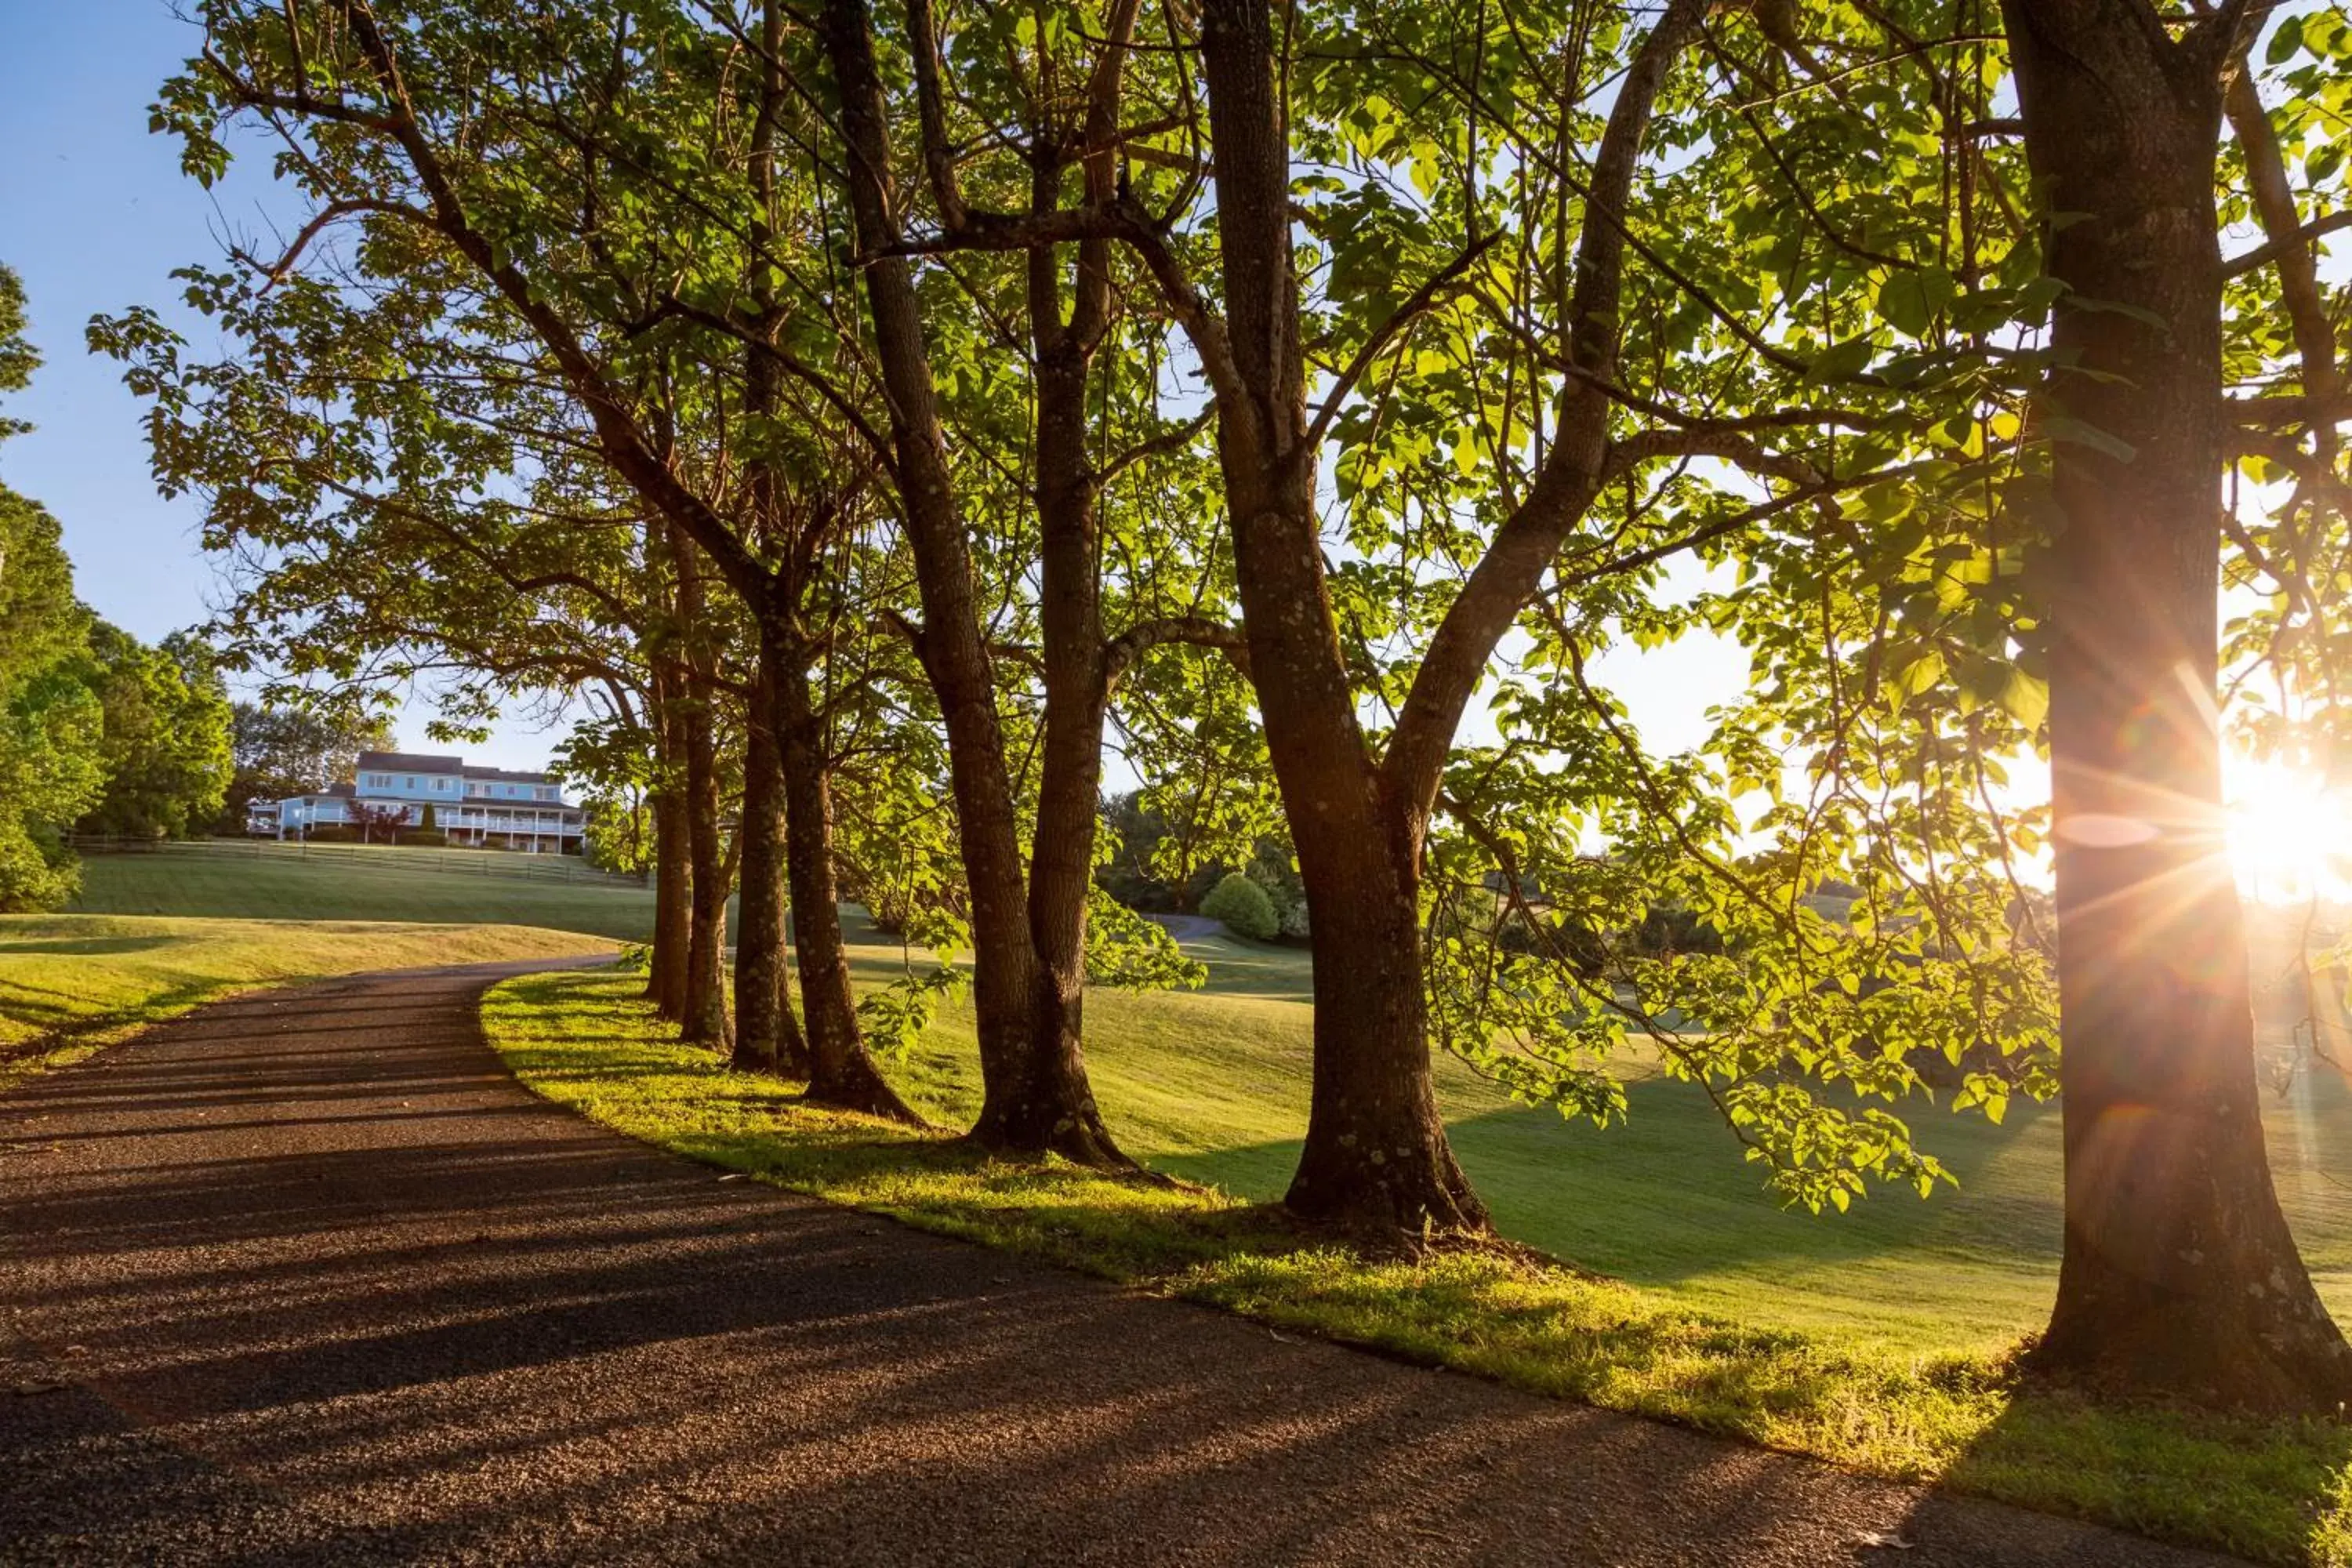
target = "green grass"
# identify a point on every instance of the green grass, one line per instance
(1211, 1085)
(378, 884)
(72, 984)
(1876, 1339)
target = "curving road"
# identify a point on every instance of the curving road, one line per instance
(305, 1277)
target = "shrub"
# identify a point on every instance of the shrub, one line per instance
(424, 837)
(426, 822)
(332, 833)
(1244, 908)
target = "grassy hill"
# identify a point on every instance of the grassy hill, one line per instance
(1212, 1086)
(356, 882)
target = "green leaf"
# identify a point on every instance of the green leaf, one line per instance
(2025, 698)
(2058, 428)
(1840, 362)
(1909, 301)
(2284, 42)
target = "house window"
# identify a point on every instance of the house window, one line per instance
(408, 782)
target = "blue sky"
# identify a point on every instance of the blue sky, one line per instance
(94, 214)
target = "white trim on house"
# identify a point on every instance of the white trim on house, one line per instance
(480, 806)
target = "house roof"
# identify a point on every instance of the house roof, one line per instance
(507, 776)
(411, 762)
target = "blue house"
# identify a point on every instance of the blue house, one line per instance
(481, 807)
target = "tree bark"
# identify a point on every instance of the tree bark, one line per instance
(1047, 1103)
(706, 1022)
(673, 875)
(767, 1036)
(841, 1071)
(1376, 1150)
(2179, 1278)
(1034, 1082)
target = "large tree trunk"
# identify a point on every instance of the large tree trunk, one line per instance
(1376, 1148)
(2179, 1278)
(841, 1071)
(1045, 1102)
(673, 876)
(767, 1036)
(706, 1022)
(955, 652)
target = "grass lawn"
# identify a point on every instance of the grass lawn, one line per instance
(1874, 1339)
(379, 884)
(71, 984)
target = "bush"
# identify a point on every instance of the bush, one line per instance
(426, 822)
(1244, 908)
(333, 833)
(424, 837)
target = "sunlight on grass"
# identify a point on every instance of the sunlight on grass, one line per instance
(72, 984)
(2273, 1491)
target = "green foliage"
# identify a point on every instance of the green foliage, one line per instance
(429, 822)
(51, 764)
(165, 742)
(1244, 908)
(1127, 950)
(280, 751)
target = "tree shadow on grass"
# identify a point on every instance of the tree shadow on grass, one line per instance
(65, 946)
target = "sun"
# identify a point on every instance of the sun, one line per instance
(2290, 835)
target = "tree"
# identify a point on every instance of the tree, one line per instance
(574, 307)
(50, 722)
(1244, 907)
(166, 736)
(2179, 1275)
(1029, 930)
(277, 751)
(373, 821)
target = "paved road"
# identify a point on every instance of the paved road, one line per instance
(305, 1277)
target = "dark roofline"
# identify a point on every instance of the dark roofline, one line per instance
(410, 762)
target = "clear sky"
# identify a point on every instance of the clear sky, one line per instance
(94, 215)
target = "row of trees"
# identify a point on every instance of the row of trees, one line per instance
(874, 413)
(98, 731)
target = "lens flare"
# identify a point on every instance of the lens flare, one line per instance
(2290, 835)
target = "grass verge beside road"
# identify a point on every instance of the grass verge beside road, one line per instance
(2276, 1492)
(72, 984)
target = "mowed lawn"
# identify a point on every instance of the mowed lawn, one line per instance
(1211, 1085)
(427, 886)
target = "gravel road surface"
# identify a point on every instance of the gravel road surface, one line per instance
(305, 1277)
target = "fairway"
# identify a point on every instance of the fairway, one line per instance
(382, 884)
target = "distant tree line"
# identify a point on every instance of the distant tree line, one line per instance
(98, 731)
